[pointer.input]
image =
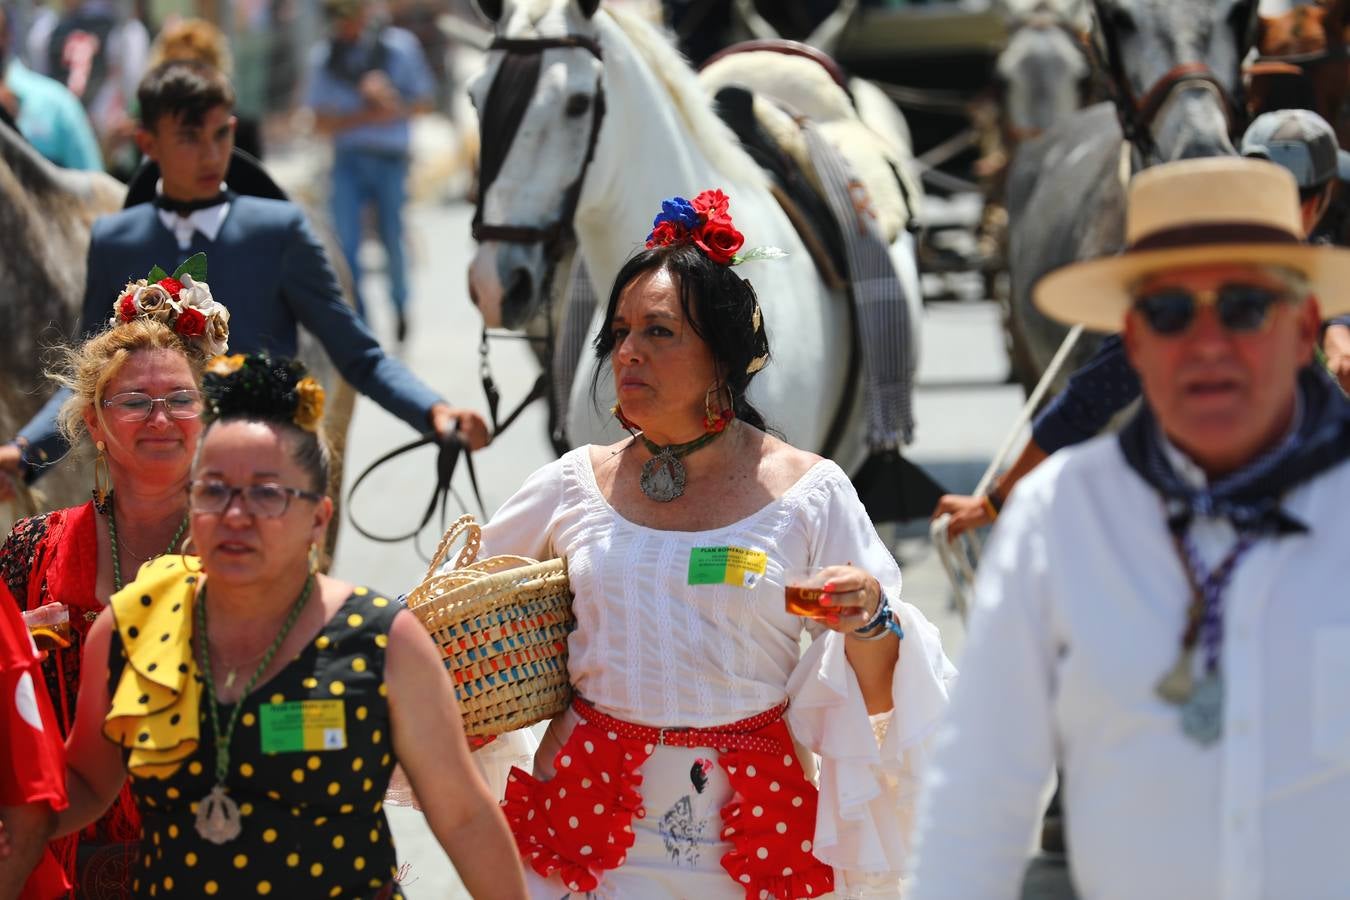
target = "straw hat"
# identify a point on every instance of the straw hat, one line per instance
(1193, 213)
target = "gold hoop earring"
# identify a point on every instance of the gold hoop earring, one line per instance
(102, 480)
(186, 554)
(715, 420)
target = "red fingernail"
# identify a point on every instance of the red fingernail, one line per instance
(826, 601)
(829, 586)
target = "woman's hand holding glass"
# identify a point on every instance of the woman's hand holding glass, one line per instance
(842, 598)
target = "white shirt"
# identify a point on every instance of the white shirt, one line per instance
(651, 648)
(207, 220)
(1081, 603)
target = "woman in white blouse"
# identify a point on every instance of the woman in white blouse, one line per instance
(683, 768)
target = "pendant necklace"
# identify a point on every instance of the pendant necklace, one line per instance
(664, 476)
(218, 817)
(1201, 702)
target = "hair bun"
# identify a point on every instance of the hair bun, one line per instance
(256, 386)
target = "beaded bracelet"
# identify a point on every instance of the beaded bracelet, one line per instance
(880, 623)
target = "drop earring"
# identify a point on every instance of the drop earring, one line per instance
(102, 480)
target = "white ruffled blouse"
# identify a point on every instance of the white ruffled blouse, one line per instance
(651, 648)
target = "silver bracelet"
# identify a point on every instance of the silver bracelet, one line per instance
(880, 623)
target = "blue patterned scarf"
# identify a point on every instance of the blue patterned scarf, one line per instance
(1251, 497)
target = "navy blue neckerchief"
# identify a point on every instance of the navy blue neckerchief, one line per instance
(1250, 498)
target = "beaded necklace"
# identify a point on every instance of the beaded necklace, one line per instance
(218, 816)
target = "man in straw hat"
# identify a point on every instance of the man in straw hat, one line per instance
(1300, 141)
(1162, 612)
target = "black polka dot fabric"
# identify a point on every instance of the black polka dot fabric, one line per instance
(313, 818)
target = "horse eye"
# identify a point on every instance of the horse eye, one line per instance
(578, 105)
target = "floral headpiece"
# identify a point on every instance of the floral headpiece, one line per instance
(257, 386)
(182, 301)
(705, 223)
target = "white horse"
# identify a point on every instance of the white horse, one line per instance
(658, 137)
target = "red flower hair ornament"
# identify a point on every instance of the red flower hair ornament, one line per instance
(706, 223)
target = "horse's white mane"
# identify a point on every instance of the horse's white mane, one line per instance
(689, 97)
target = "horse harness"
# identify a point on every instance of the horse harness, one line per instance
(1138, 113)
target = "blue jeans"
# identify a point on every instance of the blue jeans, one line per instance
(361, 178)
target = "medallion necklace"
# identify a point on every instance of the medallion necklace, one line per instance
(218, 816)
(664, 476)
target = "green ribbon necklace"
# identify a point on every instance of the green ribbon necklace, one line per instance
(218, 817)
(664, 476)
(116, 544)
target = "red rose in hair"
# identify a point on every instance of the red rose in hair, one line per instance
(191, 323)
(720, 240)
(172, 285)
(126, 308)
(665, 234)
(712, 205)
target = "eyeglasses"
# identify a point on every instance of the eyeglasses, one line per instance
(265, 501)
(137, 407)
(1241, 308)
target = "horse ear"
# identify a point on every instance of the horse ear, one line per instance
(491, 9)
(588, 7)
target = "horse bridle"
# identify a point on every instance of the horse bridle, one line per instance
(520, 70)
(1137, 114)
(514, 82)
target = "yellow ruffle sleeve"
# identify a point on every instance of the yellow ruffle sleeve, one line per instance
(154, 710)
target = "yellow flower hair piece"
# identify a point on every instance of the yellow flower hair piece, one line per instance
(309, 410)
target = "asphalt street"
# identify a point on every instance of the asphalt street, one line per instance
(962, 407)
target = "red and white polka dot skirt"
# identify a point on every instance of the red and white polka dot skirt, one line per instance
(738, 790)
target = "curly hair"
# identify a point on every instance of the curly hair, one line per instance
(88, 368)
(279, 392)
(192, 39)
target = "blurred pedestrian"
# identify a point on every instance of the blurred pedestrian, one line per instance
(48, 115)
(32, 765)
(258, 706)
(266, 262)
(1161, 612)
(98, 51)
(366, 82)
(1105, 385)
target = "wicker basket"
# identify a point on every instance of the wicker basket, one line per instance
(502, 625)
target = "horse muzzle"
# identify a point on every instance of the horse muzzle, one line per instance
(506, 283)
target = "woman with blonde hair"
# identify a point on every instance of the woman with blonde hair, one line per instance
(137, 401)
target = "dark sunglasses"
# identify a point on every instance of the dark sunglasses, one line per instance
(1241, 308)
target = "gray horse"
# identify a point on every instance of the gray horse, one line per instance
(1174, 66)
(45, 216)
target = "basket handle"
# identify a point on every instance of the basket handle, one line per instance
(473, 539)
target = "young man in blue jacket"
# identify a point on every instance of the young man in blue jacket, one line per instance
(266, 265)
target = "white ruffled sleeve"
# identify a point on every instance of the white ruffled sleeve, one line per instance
(870, 767)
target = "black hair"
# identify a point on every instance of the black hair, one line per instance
(718, 304)
(258, 388)
(185, 90)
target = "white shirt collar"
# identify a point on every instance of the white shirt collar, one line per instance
(208, 220)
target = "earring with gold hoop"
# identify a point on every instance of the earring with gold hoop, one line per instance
(188, 554)
(102, 480)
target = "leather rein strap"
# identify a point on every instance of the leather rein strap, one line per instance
(450, 449)
(499, 133)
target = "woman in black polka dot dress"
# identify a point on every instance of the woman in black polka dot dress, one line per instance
(258, 706)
